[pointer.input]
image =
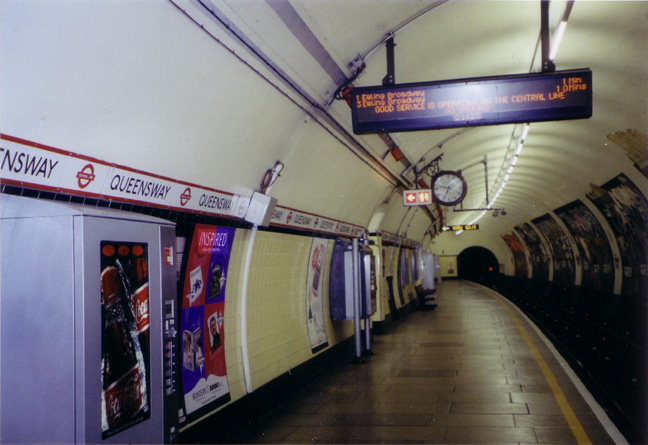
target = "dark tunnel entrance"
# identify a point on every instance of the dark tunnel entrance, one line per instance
(477, 264)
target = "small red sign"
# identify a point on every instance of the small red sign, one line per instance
(420, 197)
(141, 308)
(168, 256)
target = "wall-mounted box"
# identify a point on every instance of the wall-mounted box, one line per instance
(260, 210)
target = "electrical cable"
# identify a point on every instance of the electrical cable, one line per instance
(382, 171)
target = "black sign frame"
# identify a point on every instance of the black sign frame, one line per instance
(496, 100)
(458, 227)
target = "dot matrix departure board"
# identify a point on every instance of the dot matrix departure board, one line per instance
(562, 95)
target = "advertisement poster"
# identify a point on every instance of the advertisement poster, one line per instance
(539, 256)
(626, 210)
(593, 246)
(448, 265)
(519, 258)
(561, 249)
(204, 374)
(125, 342)
(314, 305)
(373, 284)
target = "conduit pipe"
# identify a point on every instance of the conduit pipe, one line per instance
(356, 301)
(266, 184)
(402, 26)
(391, 255)
(245, 355)
(367, 318)
(342, 135)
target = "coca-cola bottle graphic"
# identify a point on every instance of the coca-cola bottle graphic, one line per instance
(117, 347)
(136, 296)
(124, 363)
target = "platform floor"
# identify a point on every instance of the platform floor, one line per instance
(471, 371)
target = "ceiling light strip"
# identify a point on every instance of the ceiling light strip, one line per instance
(507, 167)
(502, 178)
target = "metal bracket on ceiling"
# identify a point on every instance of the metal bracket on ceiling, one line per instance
(390, 78)
(547, 64)
(484, 161)
(496, 211)
(430, 169)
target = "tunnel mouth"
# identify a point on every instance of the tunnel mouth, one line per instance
(477, 264)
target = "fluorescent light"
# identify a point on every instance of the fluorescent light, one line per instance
(478, 218)
(502, 184)
(557, 39)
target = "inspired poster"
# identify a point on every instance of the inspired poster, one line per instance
(204, 374)
(125, 342)
(314, 305)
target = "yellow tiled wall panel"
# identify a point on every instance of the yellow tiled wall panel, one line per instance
(278, 338)
(277, 329)
(233, 358)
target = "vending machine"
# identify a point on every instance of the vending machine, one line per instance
(88, 328)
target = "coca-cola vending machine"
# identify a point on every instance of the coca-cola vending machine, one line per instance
(88, 328)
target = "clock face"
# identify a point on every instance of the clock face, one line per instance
(449, 188)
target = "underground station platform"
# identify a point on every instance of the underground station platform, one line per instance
(474, 370)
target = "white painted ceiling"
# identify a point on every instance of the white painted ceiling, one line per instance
(459, 39)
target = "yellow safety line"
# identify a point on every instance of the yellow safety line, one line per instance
(568, 412)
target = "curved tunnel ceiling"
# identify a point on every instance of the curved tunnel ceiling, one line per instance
(445, 40)
(302, 51)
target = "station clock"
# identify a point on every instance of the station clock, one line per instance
(449, 188)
